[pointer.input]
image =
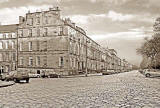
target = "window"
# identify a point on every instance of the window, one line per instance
(13, 35)
(45, 61)
(13, 45)
(7, 56)
(37, 60)
(21, 60)
(1, 57)
(60, 31)
(74, 62)
(20, 46)
(45, 31)
(4, 35)
(21, 33)
(30, 32)
(30, 21)
(10, 35)
(30, 61)
(44, 46)
(71, 62)
(6, 45)
(61, 61)
(30, 46)
(37, 45)
(38, 32)
(1, 45)
(46, 20)
(14, 57)
(1, 35)
(38, 20)
(7, 35)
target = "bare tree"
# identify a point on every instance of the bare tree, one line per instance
(150, 48)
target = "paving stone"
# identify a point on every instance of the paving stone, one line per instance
(125, 90)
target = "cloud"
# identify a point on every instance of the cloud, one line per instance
(118, 16)
(120, 22)
(11, 15)
(3, 1)
(79, 19)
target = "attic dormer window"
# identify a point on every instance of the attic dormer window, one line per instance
(30, 21)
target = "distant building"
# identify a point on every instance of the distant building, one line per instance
(8, 48)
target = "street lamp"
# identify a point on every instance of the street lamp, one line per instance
(86, 74)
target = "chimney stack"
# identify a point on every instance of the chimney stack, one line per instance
(21, 19)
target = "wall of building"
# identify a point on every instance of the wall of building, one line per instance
(8, 51)
(47, 43)
(43, 37)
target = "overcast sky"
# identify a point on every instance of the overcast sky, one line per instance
(118, 24)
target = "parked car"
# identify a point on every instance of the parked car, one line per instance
(21, 76)
(45, 75)
(34, 75)
(151, 72)
(15, 76)
(108, 72)
(141, 70)
(8, 76)
(53, 76)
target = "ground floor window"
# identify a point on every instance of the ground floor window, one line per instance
(61, 61)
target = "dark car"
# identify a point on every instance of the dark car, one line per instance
(15, 76)
(53, 76)
(18, 76)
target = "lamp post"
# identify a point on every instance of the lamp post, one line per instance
(86, 74)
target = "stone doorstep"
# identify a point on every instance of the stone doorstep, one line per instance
(5, 84)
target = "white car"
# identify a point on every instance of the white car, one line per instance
(152, 72)
(34, 75)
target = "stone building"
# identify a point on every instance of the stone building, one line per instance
(8, 48)
(49, 44)
(43, 42)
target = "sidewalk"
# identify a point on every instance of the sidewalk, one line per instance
(5, 84)
(82, 75)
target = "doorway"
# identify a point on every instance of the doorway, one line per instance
(38, 72)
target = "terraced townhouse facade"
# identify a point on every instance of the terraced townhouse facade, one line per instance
(8, 48)
(49, 44)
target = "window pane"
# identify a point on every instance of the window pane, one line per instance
(30, 46)
(20, 46)
(30, 61)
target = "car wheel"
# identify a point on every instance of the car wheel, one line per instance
(148, 75)
(7, 80)
(27, 80)
(16, 80)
